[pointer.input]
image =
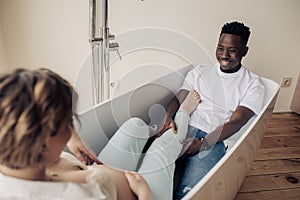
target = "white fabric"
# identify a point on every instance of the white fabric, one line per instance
(125, 147)
(221, 93)
(98, 186)
(158, 165)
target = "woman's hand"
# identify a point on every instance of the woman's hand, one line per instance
(81, 150)
(138, 186)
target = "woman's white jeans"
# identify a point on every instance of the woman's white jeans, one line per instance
(124, 149)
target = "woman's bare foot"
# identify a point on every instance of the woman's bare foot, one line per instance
(191, 102)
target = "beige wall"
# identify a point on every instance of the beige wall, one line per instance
(45, 33)
(3, 60)
(55, 33)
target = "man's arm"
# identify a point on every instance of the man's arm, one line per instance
(175, 102)
(171, 110)
(239, 118)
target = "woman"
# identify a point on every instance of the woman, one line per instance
(36, 122)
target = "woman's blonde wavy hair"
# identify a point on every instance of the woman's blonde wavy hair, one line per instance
(33, 105)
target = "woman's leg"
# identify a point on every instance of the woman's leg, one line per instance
(124, 149)
(159, 162)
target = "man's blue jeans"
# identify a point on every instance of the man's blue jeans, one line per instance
(197, 166)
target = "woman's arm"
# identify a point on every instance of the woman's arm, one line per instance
(139, 186)
(81, 150)
(124, 191)
(68, 168)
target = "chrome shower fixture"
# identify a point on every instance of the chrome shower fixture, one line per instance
(99, 38)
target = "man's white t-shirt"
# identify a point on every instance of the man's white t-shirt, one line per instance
(221, 93)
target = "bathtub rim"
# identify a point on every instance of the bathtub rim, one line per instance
(180, 72)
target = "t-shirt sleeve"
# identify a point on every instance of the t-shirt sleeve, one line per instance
(188, 81)
(254, 96)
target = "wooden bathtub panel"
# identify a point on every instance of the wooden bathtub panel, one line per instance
(206, 193)
(218, 186)
(226, 181)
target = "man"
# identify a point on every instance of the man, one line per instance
(230, 95)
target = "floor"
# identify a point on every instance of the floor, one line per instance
(275, 172)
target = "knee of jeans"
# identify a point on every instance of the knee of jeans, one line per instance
(135, 127)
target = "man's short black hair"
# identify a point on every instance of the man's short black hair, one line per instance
(237, 28)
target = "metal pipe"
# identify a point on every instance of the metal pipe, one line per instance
(95, 51)
(92, 18)
(100, 70)
(105, 74)
(98, 36)
(105, 13)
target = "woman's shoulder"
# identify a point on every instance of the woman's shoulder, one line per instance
(28, 189)
(94, 179)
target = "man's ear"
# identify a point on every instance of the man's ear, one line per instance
(245, 51)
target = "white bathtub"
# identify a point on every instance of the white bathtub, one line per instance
(223, 181)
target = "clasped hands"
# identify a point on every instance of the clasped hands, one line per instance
(191, 146)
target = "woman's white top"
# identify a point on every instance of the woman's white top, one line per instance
(98, 186)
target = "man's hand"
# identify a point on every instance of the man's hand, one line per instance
(191, 147)
(172, 108)
(169, 124)
(81, 150)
